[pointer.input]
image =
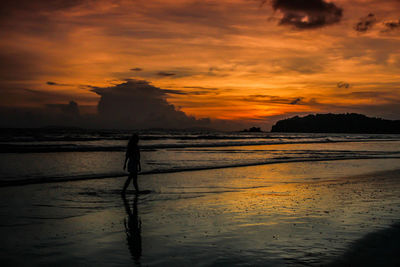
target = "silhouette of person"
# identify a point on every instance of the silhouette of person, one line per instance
(132, 157)
(133, 229)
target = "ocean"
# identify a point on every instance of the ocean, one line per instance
(213, 198)
(48, 155)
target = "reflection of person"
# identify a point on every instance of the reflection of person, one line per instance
(133, 229)
(132, 157)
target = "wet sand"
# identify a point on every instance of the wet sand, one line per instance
(276, 215)
(380, 248)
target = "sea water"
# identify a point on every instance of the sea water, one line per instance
(342, 187)
(45, 155)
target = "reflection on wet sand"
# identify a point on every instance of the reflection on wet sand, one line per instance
(133, 229)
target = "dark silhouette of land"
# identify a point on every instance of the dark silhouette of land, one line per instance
(337, 123)
(253, 130)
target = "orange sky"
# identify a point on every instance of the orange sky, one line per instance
(243, 60)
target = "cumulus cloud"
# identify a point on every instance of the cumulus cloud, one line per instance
(365, 23)
(343, 85)
(307, 14)
(134, 104)
(138, 104)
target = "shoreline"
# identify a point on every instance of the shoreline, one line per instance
(46, 180)
(24, 149)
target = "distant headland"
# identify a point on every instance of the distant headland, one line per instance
(337, 123)
(252, 130)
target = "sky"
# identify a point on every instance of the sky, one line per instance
(223, 64)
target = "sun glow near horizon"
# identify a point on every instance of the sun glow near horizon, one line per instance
(239, 60)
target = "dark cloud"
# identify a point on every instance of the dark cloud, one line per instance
(57, 84)
(268, 99)
(165, 74)
(365, 23)
(133, 104)
(343, 85)
(138, 104)
(201, 87)
(175, 92)
(295, 101)
(307, 14)
(190, 92)
(136, 69)
(392, 25)
(199, 91)
(70, 109)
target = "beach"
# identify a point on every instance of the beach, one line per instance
(200, 133)
(294, 213)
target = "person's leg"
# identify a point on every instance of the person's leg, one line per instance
(135, 183)
(128, 180)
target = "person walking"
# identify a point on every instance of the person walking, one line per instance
(132, 157)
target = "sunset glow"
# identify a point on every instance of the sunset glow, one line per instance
(247, 62)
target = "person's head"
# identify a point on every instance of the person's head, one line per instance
(134, 140)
